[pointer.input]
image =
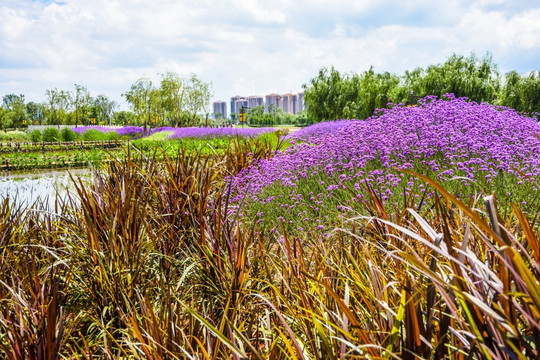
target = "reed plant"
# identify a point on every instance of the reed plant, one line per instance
(153, 260)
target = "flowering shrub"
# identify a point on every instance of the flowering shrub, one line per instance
(452, 140)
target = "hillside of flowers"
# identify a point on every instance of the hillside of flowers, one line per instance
(471, 148)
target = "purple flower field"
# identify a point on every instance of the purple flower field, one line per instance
(178, 133)
(200, 132)
(126, 130)
(447, 139)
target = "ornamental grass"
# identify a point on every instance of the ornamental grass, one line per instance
(156, 260)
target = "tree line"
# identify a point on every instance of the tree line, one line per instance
(332, 95)
(260, 116)
(75, 107)
(177, 101)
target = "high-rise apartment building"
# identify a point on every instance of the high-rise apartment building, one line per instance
(272, 99)
(300, 101)
(295, 104)
(234, 99)
(287, 103)
(254, 101)
(220, 109)
(239, 104)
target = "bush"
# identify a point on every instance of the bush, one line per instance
(66, 134)
(13, 135)
(51, 134)
(35, 135)
(112, 135)
(94, 135)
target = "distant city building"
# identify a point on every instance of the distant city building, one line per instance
(254, 101)
(272, 99)
(295, 109)
(300, 102)
(239, 104)
(287, 103)
(220, 109)
(234, 99)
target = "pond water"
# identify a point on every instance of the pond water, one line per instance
(26, 188)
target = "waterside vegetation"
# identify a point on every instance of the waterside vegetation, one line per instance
(180, 255)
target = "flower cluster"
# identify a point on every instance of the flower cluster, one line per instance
(447, 138)
(319, 129)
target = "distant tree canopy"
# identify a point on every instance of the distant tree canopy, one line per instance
(331, 95)
(178, 101)
(60, 107)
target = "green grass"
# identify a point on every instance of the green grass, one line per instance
(162, 135)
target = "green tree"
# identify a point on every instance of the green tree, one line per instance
(198, 96)
(125, 118)
(332, 96)
(256, 115)
(66, 134)
(35, 135)
(57, 102)
(373, 91)
(173, 96)
(16, 110)
(521, 92)
(471, 77)
(301, 118)
(140, 98)
(80, 101)
(34, 112)
(324, 95)
(531, 92)
(104, 108)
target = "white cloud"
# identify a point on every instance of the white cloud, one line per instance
(249, 46)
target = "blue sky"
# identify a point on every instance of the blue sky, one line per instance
(248, 47)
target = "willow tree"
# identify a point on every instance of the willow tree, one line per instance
(328, 95)
(140, 97)
(522, 92)
(471, 77)
(80, 101)
(173, 96)
(57, 102)
(332, 96)
(198, 96)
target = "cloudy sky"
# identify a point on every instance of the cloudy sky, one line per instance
(249, 47)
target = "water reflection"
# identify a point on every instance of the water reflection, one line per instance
(24, 189)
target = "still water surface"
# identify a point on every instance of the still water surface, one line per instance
(26, 188)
